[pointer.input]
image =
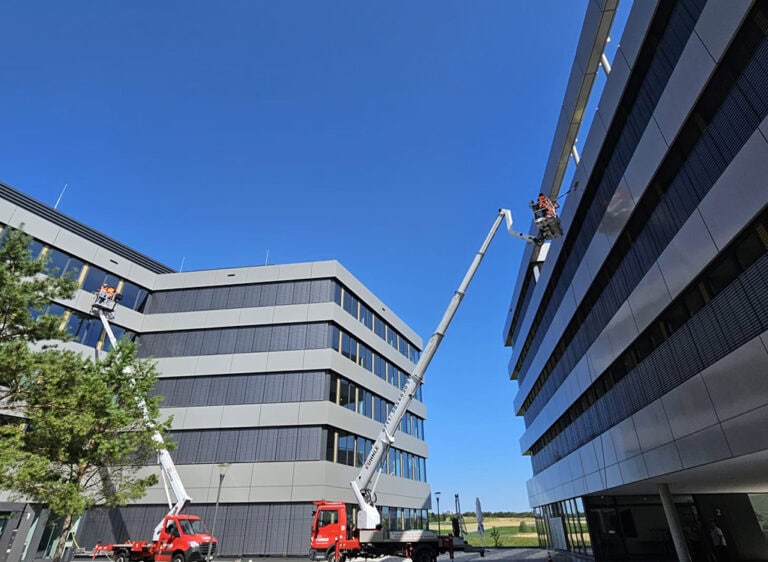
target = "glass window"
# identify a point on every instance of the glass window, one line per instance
(337, 293)
(55, 310)
(366, 357)
(391, 337)
(694, 300)
(119, 333)
(346, 394)
(35, 249)
(73, 268)
(379, 327)
(366, 316)
(394, 462)
(132, 295)
(379, 409)
(351, 304)
(749, 250)
(346, 448)
(675, 317)
(335, 336)
(346, 345)
(94, 279)
(407, 465)
(93, 333)
(723, 275)
(379, 366)
(75, 325)
(56, 261)
(394, 375)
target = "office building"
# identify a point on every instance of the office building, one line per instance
(639, 337)
(280, 375)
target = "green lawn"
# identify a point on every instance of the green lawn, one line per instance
(509, 536)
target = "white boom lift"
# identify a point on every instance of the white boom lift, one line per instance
(104, 308)
(368, 516)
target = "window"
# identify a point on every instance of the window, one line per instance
(328, 517)
(723, 275)
(133, 296)
(347, 394)
(351, 304)
(366, 316)
(379, 327)
(94, 278)
(55, 263)
(391, 337)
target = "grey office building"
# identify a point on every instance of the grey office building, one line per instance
(285, 373)
(639, 337)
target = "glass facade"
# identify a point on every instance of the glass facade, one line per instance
(343, 447)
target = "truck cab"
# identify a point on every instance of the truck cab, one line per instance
(183, 538)
(329, 526)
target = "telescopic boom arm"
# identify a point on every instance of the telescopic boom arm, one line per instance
(368, 516)
(104, 307)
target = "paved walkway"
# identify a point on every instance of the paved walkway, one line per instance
(491, 555)
(504, 554)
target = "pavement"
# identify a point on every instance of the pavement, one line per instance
(491, 555)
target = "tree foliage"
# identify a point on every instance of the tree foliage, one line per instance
(81, 435)
(24, 294)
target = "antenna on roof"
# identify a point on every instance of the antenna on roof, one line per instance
(181, 267)
(56, 206)
(266, 260)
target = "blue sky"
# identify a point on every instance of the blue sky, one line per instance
(382, 135)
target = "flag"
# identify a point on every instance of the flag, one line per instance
(479, 514)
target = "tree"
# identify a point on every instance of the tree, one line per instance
(24, 294)
(83, 434)
(83, 417)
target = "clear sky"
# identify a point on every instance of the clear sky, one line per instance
(384, 135)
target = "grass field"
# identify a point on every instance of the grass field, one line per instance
(509, 532)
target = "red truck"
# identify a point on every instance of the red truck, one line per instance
(334, 539)
(183, 538)
(332, 536)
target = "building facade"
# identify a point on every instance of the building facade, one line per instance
(280, 375)
(639, 338)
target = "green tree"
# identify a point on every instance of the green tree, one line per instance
(84, 420)
(24, 294)
(82, 434)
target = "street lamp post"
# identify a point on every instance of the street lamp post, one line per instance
(437, 497)
(222, 471)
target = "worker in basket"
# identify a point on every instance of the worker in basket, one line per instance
(546, 206)
(545, 217)
(105, 295)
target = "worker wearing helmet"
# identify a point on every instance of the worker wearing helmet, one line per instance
(546, 205)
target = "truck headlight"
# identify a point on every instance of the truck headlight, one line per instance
(194, 544)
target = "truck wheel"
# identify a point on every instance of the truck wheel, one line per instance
(178, 557)
(121, 556)
(422, 554)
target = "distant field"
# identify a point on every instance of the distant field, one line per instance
(509, 532)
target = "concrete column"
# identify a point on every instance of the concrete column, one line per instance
(673, 520)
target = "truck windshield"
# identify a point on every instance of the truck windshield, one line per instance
(192, 526)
